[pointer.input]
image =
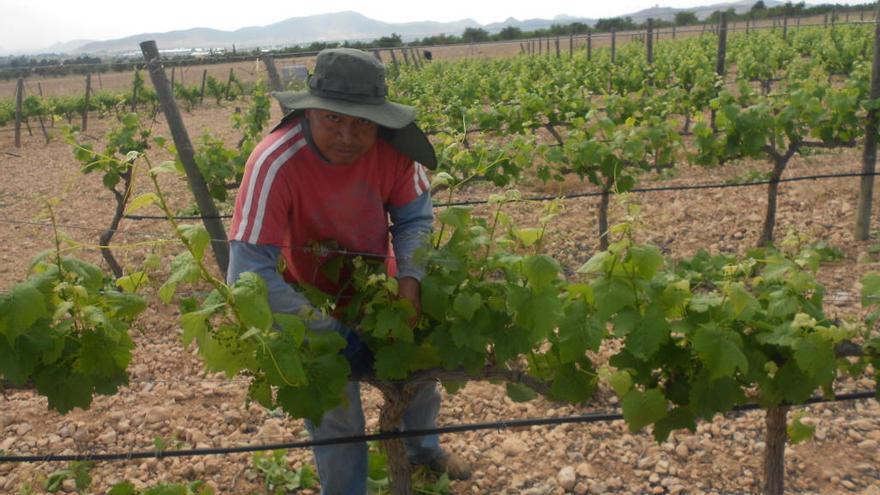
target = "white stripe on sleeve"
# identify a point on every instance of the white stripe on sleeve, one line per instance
(255, 175)
(267, 186)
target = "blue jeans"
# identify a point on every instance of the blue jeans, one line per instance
(343, 468)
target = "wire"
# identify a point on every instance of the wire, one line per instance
(462, 428)
(587, 194)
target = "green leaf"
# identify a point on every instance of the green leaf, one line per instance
(720, 351)
(742, 304)
(643, 408)
(293, 325)
(328, 376)
(649, 334)
(573, 382)
(519, 392)
(251, 301)
(282, 361)
(870, 289)
(183, 269)
(708, 397)
(646, 260)
(578, 332)
(124, 306)
(435, 300)
(466, 304)
(197, 237)
(123, 488)
(621, 382)
(391, 322)
(529, 236)
(597, 263)
(455, 216)
(798, 431)
(194, 324)
(65, 390)
(701, 303)
(676, 419)
(612, 295)
(142, 201)
(133, 281)
(816, 357)
(19, 309)
(540, 271)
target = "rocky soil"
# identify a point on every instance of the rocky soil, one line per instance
(171, 399)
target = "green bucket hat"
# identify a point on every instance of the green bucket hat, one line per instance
(352, 82)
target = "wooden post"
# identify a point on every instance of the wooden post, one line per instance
(785, 27)
(649, 41)
(377, 55)
(405, 55)
(208, 210)
(173, 72)
(19, 99)
(720, 59)
(774, 455)
(415, 56)
(228, 82)
(85, 115)
(589, 45)
(274, 78)
(557, 47)
(202, 90)
(673, 32)
(522, 48)
(100, 82)
(722, 45)
(393, 59)
(570, 46)
(869, 153)
(613, 45)
(825, 23)
(540, 46)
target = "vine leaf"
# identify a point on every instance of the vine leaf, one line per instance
(643, 408)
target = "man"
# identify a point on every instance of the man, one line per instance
(324, 183)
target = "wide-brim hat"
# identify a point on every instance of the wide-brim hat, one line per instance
(352, 82)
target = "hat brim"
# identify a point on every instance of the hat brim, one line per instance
(406, 137)
(387, 114)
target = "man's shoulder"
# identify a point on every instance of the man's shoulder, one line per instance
(282, 142)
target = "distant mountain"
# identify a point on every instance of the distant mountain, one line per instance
(668, 13)
(351, 26)
(295, 30)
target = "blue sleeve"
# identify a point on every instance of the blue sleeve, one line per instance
(262, 259)
(411, 226)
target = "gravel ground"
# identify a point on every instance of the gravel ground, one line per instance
(171, 398)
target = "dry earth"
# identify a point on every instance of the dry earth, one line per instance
(170, 397)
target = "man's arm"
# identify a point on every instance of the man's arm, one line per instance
(263, 260)
(411, 230)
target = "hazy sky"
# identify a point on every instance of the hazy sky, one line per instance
(35, 24)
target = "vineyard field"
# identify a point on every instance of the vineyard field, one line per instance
(171, 398)
(670, 336)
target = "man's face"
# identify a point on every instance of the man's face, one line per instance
(341, 138)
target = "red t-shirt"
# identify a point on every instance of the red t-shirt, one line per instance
(292, 198)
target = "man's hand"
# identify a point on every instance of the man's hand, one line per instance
(409, 289)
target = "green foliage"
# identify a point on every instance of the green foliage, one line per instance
(65, 329)
(278, 477)
(79, 472)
